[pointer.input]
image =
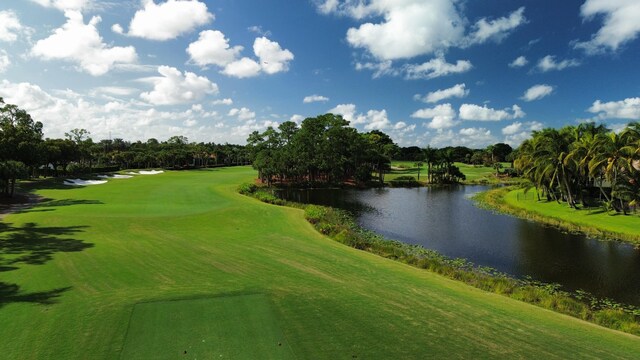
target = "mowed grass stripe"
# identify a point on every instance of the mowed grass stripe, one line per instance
(330, 301)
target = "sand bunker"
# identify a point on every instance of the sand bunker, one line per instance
(115, 176)
(80, 182)
(150, 172)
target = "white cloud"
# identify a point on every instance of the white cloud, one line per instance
(226, 101)
(315, 98)
(258, 30)
(457, 91)
(348, 112)
(117, 28)
(475, 138)
(10, 26)
(212, 48)
(518, 132)
(131, 120)
(548, 63)
(242, 114)
(168, 20)
(4, 61)
(175, 88)
(436, 67)
(496, 30)
(410, 27)
(379, 68)
(620, 26)
(519, 62)
(114, 91)
(65, 4)
(483, 113)
(242, 68)
(296, 118)
(273, 58)
(625, 109)
(537, 92)
(377, 120)
(81, 43)
(442, 116)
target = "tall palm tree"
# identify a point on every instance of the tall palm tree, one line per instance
(611, 158)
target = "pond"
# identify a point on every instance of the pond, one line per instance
(446, 220)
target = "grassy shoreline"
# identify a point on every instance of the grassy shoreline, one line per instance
(340, 226)
(511, 201)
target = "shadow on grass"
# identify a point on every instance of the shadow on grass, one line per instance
(11, 293)
(35, 245)
(30, 244)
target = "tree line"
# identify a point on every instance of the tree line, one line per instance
(323, 149)
(586, 164)
(24, 153)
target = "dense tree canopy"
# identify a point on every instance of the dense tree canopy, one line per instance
(323, 149)
(584, 164)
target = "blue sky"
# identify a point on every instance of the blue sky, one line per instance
(438, 72)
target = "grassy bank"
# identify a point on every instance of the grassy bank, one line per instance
(592, 222)
(474, 174)
(340, 226)
(145, 265)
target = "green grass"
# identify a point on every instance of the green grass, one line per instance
(73, 273)
(587, 220)
(474, 174)
(209, 328)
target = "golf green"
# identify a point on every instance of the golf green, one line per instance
(151, 266)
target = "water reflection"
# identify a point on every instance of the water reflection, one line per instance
(444, 219)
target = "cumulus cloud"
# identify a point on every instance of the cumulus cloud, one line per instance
(65, 4)
(296, 118)
(442, 116)
(212, 48)
(549, 63)
(456, 91)
(173, 87)
(272, 59)
(81, 43)
(379, 68)
(620, 26)
(315, 98)
(475, 138)
(537, 92)
(518, 132)
(436, 67)
(168, 20)
(483, 113)
(226, 101)
(498, 29)
(4, 61)
(519, 62)
(242, 114)
(371, 120)
(243, 68)
(410, 28)
(625, 109)
(130, 120)
(10, 26)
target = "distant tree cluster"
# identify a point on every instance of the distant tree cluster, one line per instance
(572, 163)
(24, 153)
(323, 149)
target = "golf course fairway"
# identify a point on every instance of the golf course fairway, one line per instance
(180, 266)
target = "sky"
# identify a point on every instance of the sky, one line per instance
(426, 72)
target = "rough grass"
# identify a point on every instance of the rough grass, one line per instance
(73, 270)
(474, 174)
(593, 222)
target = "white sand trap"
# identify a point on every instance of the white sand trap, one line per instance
(151, 172)
(132, 173)
(80, 182)
(115, 176)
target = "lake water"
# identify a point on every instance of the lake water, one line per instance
(446, 220)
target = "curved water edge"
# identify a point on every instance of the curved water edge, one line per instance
(445, 220)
